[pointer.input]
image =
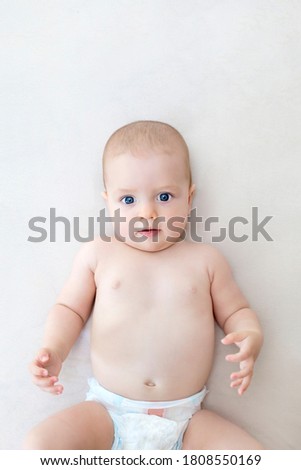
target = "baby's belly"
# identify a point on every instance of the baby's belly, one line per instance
(152, 355)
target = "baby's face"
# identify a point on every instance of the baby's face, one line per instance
(153, 196)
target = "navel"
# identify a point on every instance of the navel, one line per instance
(149, 383)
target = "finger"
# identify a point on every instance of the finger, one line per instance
(244, 355)
(238, 357)
(50, 385)
(245, 384)
(44, 381)
(234, 337)
(42, 357)
(54, 390)
(236, 383)
(38, 371)
(242, 373)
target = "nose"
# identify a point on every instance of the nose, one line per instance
(147, 211)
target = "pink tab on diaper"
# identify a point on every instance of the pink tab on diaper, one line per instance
(153, 411)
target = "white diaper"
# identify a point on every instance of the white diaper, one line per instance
(146, 425)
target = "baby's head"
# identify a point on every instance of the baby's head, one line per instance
(140, 137)
(147, 178)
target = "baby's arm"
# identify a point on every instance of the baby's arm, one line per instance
(65, 320)
(235, 317)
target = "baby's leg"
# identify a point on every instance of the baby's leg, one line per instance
(208, 431)
(87, 426)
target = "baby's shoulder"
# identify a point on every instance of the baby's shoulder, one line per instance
(204, 249)
(90, 252)
(210, 255)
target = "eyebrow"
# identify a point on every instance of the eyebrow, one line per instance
(133, 190)
(168, 186)
(125, 190)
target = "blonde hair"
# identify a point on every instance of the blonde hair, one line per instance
(141, 135)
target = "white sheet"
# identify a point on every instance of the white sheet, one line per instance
(227, 75)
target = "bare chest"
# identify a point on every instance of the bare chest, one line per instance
(151, 284)
(138, 287)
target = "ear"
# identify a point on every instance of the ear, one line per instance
(191, 194)
(105, 195)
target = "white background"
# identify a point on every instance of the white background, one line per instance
(226, 74)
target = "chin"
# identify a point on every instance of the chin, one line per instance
(148, 246)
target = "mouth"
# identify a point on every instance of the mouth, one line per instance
(149, 232)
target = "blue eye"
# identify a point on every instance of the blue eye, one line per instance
(128, 200)
(164, 197)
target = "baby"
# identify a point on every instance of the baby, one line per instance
(156, 296)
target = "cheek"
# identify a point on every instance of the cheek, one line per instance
(116, 209)
(176, 219)
(110, 205)
(181, 209)
(122, 216)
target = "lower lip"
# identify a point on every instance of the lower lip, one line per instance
(149, 233)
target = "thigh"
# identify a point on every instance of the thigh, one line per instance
(207, 430)
(87, 425)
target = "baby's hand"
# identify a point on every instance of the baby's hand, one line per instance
(249, 343)
(45, 369)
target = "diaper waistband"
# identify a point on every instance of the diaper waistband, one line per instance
(172, 409)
